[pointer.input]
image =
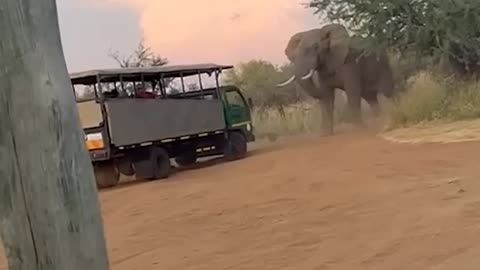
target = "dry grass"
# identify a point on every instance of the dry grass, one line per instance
(301, 118)
(435, 110)
(429, 99)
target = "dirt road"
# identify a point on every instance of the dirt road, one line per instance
(351, 201)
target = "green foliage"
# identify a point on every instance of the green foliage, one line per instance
(448, 30)
(258, 79)
(407, 65)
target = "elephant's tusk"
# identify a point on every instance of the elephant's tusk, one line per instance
(287, 82)
(309, 75)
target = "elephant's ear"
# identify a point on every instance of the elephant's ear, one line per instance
(292, 46)
(337, 42)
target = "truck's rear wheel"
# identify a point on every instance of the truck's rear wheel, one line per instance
(152, 163)
(161, 163)
(106, 175)
(125, 167)
(236, 146)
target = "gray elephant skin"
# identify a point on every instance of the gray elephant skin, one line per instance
(330, 55)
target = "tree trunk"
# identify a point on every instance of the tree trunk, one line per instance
(49, 210)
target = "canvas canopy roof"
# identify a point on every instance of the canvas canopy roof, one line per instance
(135, 74)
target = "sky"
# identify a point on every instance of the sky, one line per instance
(184, 31)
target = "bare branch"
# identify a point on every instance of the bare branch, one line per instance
(142, 56)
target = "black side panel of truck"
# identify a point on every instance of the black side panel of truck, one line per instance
(135, 121)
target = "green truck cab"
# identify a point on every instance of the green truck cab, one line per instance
(134, 127)
(237, 111)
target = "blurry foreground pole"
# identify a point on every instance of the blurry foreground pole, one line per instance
(49, 211)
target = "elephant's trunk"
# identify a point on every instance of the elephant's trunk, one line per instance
(308, 84)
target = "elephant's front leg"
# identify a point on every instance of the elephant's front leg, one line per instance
(327, 107)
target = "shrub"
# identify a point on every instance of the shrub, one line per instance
(431, 98)
(271, 122)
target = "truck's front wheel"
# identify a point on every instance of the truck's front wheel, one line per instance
(106, 175)
(236, 146)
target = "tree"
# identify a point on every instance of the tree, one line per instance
(141, 57)
(258, 80)
(49, 211)
(446, 30)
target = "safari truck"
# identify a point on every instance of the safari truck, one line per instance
(134, 126)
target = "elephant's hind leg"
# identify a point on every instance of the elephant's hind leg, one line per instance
(355, 109)
(353, 89)
(372, 100)
(327, 107)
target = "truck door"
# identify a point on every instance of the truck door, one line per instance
(237, 111)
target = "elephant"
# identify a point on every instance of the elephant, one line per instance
(330, 55)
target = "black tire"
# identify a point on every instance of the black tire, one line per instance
(106, 175)
(236, 146)
(125, 167)
(160, 163)
(186, 159)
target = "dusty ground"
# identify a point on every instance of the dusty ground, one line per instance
(352, 201)
(446, 132)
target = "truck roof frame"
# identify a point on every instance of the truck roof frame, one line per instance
(93, 76)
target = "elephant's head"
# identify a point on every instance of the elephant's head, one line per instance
(323, 49)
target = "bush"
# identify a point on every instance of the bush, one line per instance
(258, 80)
(271, 122)
(430, 98)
